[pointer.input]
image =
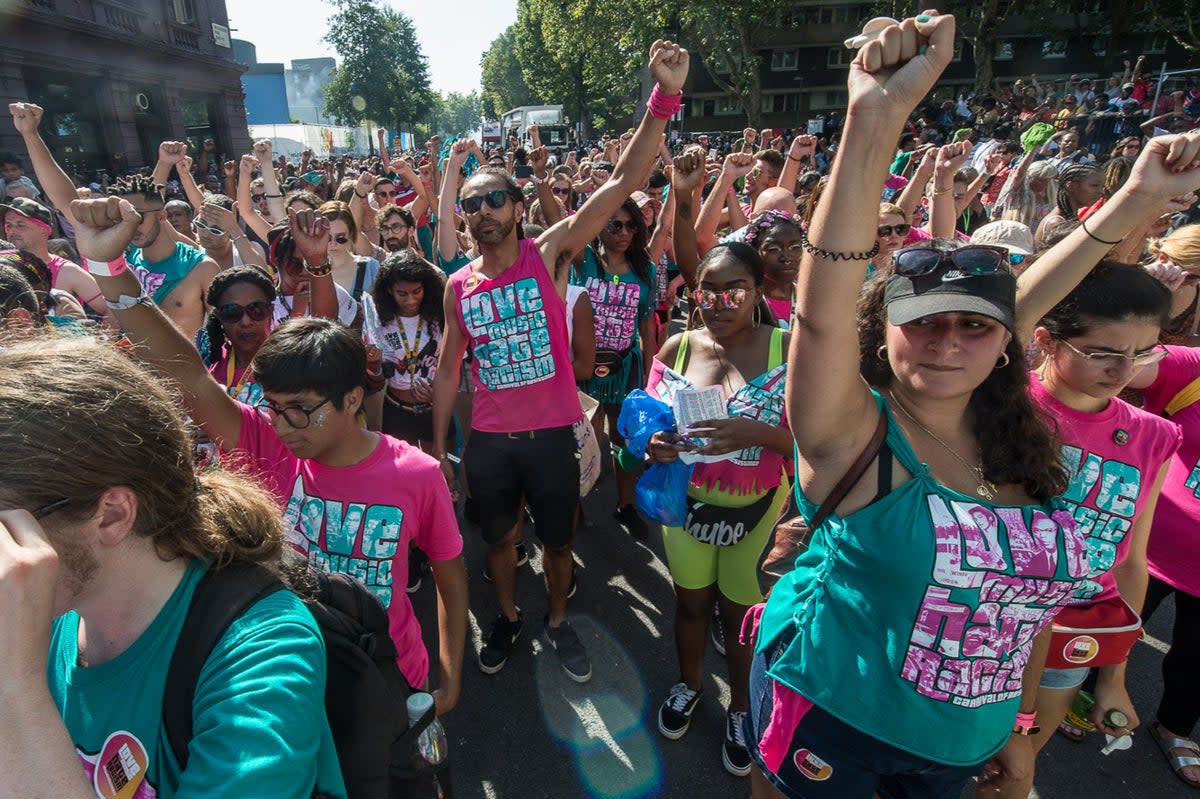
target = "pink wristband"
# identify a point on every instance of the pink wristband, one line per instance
(1026, 720)
(103, 269)
(663, 106)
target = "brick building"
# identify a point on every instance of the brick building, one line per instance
(116, 77)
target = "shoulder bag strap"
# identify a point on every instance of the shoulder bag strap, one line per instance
(775, 356)
(853, 475)
(681, 354)
(1188, 395)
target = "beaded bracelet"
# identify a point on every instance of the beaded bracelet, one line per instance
(1094, 237)
(814, 250)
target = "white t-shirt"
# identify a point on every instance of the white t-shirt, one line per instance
(347, 307)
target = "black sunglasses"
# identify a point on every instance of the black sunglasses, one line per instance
(51, 507)
(615, 227)
(341, 238)
(232, 313)
(974, 260)
(561, 192)
(900, 230)
(495, 199)
(258, 197)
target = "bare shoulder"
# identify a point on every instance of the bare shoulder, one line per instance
(670, 348)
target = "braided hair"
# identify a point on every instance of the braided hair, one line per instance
(230, 277)
(142, 185)
(1072, 174)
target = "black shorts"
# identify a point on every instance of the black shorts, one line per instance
(408, 422)
(542, 465)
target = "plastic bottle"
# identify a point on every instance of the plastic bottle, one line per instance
(432, 747)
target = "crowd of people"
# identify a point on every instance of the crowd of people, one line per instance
(986, 408)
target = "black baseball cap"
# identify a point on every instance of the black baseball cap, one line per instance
(945, 290)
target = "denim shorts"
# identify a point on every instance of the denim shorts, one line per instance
(829, 759)
(1063, 679)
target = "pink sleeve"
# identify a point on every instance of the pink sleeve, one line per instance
(655, 376)
(437, 534)
(1175, 371)
(261, 452)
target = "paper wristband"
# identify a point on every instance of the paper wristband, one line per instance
(106, 269)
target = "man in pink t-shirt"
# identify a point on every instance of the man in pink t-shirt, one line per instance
(352, 500)
(508, 307)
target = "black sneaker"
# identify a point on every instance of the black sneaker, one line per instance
(717, 631)
(571, 654)
(498, 646)
(627, 516)
(733, 752)
(675, 714)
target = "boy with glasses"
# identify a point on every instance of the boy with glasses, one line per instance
(352, 500)
(508, 306)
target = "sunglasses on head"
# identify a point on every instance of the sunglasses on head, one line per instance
(973, 260)
(706, 299)
(887, 230)
(495, 199)
(615, 227)
(231, 312)
(341, 238)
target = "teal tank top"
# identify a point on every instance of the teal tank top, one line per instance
(912, 619)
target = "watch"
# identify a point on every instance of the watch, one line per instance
(127, 301)
(319, 271)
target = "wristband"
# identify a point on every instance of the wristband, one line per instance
(319, 271)
(106, 269)
(939, 192)
(663, 106)
(360, 196)
(1026, 724)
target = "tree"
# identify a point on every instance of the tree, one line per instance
(1179, 19)
(503, 86)
(383, 75)
(458, 113)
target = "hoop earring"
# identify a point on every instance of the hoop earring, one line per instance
(1004, 361)
(692, 323)
(757, 315)
(881, 353)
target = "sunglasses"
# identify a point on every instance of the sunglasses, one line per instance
(1108, 360)
(258, 198)
(561, 192)
(341, 238)
(495, 199)
(51, 507)
(887, 230)
(232, 313)
(212, 230)
(295, 415)
(977, 260)
(706, 299)
(615, 227)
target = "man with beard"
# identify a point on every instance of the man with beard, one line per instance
(508, 306)
(396, 229)
(27, 225)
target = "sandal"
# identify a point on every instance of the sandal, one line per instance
(1178, 762)
(1075, 726)
(1071, 732)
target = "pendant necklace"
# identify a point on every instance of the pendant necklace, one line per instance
(984, 487)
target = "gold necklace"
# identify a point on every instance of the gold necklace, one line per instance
(984, 488)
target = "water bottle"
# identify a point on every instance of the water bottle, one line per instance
(432, 747)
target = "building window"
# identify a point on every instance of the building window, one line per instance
(183, 12)
(839, 57)
(831, 99)
(727, 106)
(780, 102)
(1054, 48)
(1004, 50)
(783, 60)
(1156, 44)
(1099, 46)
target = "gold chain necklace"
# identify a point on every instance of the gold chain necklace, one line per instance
(984, 488)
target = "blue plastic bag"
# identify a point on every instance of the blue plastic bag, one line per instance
(661, 492)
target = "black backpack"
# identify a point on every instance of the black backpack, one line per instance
(365, 693)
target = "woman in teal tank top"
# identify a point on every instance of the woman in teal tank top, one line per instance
(892, 659)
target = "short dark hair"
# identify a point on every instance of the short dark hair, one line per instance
(137, 185)
(772, 157)
(312, 354)
(1111, 292)
(395, 210)
(220, 200)
(11, 158)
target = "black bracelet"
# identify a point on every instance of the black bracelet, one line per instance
(360, 196)
(813, 249)
(1094, 237)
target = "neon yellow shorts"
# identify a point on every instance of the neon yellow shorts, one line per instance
(695, 565)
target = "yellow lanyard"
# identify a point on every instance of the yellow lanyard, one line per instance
(229, 371)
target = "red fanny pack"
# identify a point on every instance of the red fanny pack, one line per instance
(1093, 635)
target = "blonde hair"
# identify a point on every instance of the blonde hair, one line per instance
(1182, 246)
(892, 208)
(77, 417)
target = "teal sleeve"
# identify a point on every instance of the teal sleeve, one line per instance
(450, 267)
(259, 711)
(425, 240)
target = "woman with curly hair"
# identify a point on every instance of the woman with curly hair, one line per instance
(238, 322)
(870, 654)
(619, 277)
(403, 319)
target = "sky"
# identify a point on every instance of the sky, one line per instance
(453, 36)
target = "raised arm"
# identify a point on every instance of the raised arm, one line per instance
(360, 208)
(669, 65)
(1168, 166)
(263, 152)
(736, 165)
(538, 158)
(446, 240)
(803, 147)
(246, 208)
(664, 228)
(888, 77)
(944, 213)
(50, 176)
(911, 195)
(687, 174)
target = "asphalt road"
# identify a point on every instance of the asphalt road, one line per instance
(529, 732)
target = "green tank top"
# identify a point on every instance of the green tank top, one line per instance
(912, 619)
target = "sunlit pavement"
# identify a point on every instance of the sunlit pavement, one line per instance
(529, 732)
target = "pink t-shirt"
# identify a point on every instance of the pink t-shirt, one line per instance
(241, 385)
(1174, 551)
(1110, 481)
(516, 328)
(360, 519)
(782, 310)
(754, 470)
